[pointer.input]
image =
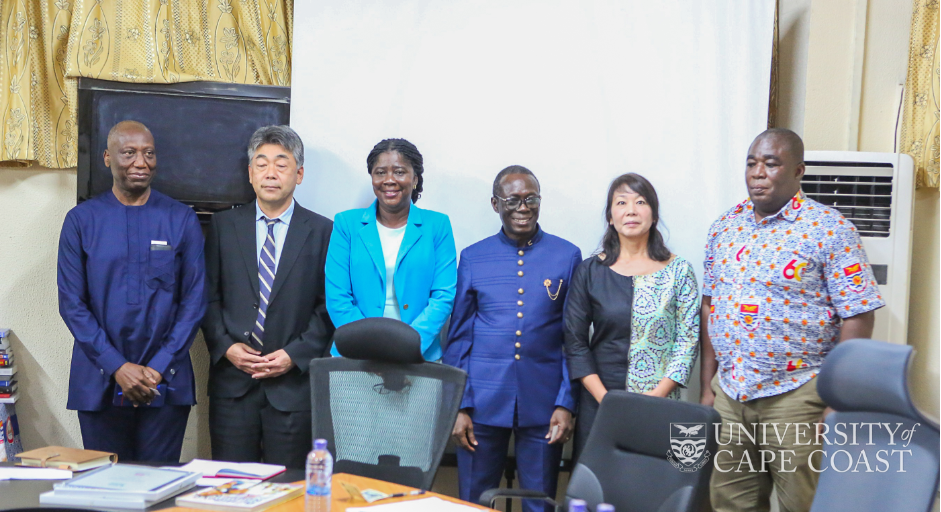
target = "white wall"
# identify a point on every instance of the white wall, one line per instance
(33, 204)
(793, 46)
(577, 92)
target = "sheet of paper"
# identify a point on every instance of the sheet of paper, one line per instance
(208, 481)
(423, 505)
(10, 473)
(232, 469)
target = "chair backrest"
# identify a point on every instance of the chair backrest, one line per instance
(638, 458)
(866, 382)
(384, 419)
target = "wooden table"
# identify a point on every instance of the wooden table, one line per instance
(340, 500)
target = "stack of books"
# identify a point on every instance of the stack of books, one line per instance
(120, 486)
(10, 444)
(8, 386)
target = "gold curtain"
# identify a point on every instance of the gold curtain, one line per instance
(920, 137)
(46, 44)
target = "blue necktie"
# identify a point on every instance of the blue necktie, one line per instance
(266, 269)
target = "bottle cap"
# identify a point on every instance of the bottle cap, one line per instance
(320, 444)
(577, 506)
(605, 507)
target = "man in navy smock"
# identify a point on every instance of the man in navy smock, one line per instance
(132, 291)
(506, 333)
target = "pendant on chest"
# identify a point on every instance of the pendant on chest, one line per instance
(548, 284)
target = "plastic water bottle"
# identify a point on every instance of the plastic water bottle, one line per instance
(605, 507)
(319, 478)
(578, 506)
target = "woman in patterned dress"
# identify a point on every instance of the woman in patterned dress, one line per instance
(642, 302)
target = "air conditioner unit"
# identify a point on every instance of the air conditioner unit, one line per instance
(875, 191)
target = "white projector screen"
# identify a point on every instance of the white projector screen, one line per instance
(577, 91)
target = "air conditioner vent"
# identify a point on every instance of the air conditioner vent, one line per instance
(866, 200)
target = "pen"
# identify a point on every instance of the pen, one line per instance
(156, 393)
(403, 494)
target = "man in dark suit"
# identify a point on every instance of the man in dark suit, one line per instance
(267, 316)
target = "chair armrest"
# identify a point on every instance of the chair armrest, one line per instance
(489, 496)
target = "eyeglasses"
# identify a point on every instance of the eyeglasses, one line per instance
(514, 203)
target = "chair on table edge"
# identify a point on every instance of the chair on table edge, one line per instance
(866, 381)
(627, 459)
(384, 411)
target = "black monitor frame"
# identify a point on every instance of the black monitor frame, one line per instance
(90, 88)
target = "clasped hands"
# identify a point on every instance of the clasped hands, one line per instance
(259, 366)
(139, 383)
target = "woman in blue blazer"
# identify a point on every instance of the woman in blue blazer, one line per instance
(393, 259)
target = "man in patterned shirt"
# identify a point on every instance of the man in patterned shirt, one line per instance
(786, 279)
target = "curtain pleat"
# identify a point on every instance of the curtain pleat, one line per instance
(45, 45)
(920, 113)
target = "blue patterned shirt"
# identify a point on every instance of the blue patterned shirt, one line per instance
(780, 290)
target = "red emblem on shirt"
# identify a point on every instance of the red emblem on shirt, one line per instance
(853, 278)
(748, 316)
(738, 255)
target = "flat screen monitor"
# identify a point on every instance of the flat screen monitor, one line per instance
(201, 131)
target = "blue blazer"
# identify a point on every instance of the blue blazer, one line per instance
(506, 330)
(425, 272)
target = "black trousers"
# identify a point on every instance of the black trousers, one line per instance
(249, 429)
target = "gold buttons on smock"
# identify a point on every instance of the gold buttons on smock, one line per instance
(519, 315)
(520, 273)
(517, 357)
(520, 291)
(518, 345)
(520, 253)
(519, 333)
(520, 263)
(519, 303)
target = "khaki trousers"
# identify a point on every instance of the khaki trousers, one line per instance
(746, 470)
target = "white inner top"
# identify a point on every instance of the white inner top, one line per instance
(391, 240)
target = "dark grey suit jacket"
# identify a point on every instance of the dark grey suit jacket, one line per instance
(297, 319)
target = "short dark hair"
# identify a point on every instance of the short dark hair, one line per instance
(610, 243)
(407, 150)
(793, 141)
(282, 135)
(513, 169)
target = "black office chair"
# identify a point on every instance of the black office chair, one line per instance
(638, 459)
(384, 411)
(866, 381)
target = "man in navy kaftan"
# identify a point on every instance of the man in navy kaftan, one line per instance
(131, 282)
